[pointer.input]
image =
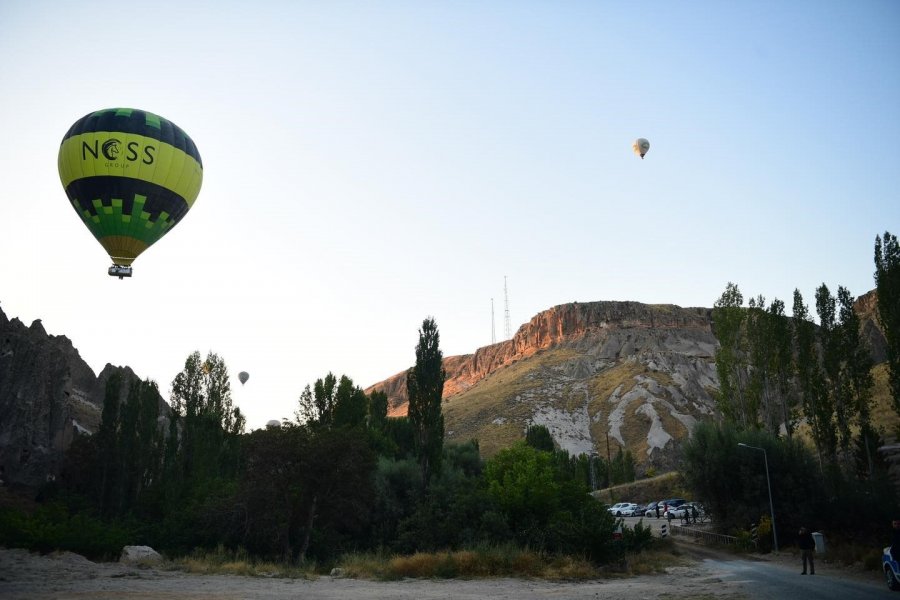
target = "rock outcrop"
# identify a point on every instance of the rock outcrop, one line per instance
(575, 324)
(638, 375)
(48, 395)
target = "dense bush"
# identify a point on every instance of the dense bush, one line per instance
(51, 527)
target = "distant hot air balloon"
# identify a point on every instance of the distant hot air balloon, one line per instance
(131, 176)
(640, 147)
(243, 376)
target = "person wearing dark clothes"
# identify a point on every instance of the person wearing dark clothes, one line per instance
(895, 540)
(807, 544)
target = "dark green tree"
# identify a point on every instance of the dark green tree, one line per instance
(833, 411)
(316, 405)
(728, 319)
(425, 385)
(810, 380)
(210, 424)
(332, 403)
(887, 282)
(782, 366)
(352, 406)
(270, 494)
(378, 408)
(539, 438)
(545, 506)
(731, 480)
(856, 379)
(622, 467)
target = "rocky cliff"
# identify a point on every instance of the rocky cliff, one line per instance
(48, 395)
(570, 324)
(639, 375)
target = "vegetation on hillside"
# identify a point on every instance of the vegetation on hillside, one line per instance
(797, 400)
(340, 479)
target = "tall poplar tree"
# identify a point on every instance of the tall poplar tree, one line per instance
(810, 380)
(856, 378)
(728, 318)
(887, 281)
(425, 384)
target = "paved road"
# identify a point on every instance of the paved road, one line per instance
(778, 578)
(759, 579)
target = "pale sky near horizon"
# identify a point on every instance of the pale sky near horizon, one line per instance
(369, 164)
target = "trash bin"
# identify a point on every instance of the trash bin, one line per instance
(819, 539)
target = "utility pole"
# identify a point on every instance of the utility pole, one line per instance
(493, 331)
(506, 299)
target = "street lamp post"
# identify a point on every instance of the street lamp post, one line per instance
(769, 485)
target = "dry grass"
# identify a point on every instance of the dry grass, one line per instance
(667, 485)
(226, 562)
(485, 561)
(471, 414)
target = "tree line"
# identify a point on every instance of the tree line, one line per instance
(341, 476)
(784, 380)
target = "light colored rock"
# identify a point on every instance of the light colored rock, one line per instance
(139, 554)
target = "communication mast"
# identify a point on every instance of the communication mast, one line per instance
(493, 331)
(506, 299)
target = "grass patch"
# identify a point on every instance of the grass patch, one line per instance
(663, 555)
(471, 414)
(506, 561)
(480, 562)
(653, 489)
(222, 561)
(483, 561)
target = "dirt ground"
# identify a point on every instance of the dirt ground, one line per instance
(64, 576)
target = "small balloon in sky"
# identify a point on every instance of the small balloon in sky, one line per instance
(243, 376)
(640, 147)
(131, 176)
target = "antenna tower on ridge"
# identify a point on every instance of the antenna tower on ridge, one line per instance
(506, 299)
(493, 331)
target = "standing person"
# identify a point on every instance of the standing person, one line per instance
(806, 543)
(657, 510)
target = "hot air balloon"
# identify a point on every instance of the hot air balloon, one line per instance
(640, 147)
(243, 376)
(131, 176)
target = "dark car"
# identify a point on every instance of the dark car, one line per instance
(891, 570)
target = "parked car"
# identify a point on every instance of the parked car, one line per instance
(616, 508)
(641, 509)
(622, 509)
(891, 570)
(679, 512)
(630, 509)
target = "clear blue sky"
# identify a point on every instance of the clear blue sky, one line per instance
(368, 164)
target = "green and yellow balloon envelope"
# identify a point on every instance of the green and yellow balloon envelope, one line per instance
(131, 176)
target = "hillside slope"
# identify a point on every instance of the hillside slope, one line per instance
(640, 374)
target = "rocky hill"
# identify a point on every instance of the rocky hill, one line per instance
(602, 376)
(638, 375)
(48, 395)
